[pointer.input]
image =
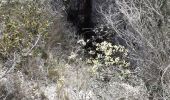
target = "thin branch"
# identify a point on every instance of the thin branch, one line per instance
(36, 42)
(10, 69)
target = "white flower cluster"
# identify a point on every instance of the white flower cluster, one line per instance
(108, 56)
(109, 49)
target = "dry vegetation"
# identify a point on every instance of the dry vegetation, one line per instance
(41, 58)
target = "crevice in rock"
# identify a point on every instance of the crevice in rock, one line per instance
(79, 13)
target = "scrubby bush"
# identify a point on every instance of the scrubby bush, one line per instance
(143, 26)
(24, 27)
(109, 55)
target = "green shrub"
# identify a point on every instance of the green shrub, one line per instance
(24, 26)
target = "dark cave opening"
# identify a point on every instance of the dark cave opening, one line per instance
(79, 13)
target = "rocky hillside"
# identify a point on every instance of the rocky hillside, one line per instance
(84, 50)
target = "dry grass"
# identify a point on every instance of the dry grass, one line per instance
(143, 25)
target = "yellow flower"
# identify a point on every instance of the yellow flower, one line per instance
(116, 47)
(117, 60)
(127, 64)
(94, 69)
(108, 52)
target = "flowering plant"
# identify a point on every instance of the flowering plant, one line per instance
(108, 55)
